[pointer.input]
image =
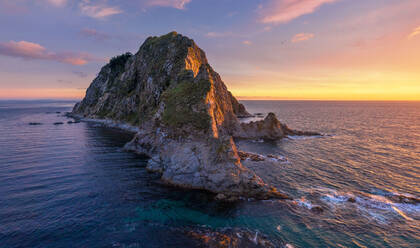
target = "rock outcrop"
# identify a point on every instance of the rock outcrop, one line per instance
(230, 238)
(186, 116)
(268, 129)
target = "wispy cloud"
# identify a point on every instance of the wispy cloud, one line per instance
(302, 37)
(29, 50)
(94, 34)
(64, 81)
(283, 11)
(98, 11)
(414, 33)
(80, 74)
(178, 4)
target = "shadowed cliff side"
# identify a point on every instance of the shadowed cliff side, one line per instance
(186, 116)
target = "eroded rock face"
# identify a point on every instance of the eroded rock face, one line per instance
(185, 114)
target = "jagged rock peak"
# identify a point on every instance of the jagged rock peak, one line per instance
(170, 69)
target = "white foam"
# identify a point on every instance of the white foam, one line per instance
(336, 198)
(372, 206)
(304, 203)
(303, 137)
(113, 124)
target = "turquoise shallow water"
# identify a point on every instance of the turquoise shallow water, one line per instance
(71, 185)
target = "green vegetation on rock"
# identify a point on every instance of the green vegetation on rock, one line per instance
(117, 63)
(184, 104)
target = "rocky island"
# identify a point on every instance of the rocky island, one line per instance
(187, 120)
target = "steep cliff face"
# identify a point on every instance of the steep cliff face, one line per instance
(185, 113)
(169, 69)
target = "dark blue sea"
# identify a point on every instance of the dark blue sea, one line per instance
(72, 185)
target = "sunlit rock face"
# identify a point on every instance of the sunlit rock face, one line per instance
(185, 114)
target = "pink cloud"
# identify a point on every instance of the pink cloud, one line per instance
(302, 37)
(29, 50)
(283, 11)
(98, 11)
(414, 33)
(178, 4)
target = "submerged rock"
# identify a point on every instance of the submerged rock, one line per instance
(406, 199)
(251, 156)
(73, 122)
(185, 115)
(317, 209)
(230, 238)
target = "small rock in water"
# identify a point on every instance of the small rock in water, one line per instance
(73, 122)
(317, 209)
(58, 123)
(34, 123)
(251, 156)
(407, 199)
(351, 199)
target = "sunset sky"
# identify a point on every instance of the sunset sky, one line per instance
(263, 49)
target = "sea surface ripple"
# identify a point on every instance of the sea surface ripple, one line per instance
(72, 185)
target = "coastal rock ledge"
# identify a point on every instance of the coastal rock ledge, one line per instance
(186, 116)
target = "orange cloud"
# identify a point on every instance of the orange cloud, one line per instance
(283, 11)
(29, 50)
(178, 4)
(99, 11)
(415, 32)
(302, 37)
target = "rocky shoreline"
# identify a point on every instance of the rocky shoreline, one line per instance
(185, 119)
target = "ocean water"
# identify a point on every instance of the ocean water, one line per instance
(72, 185)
